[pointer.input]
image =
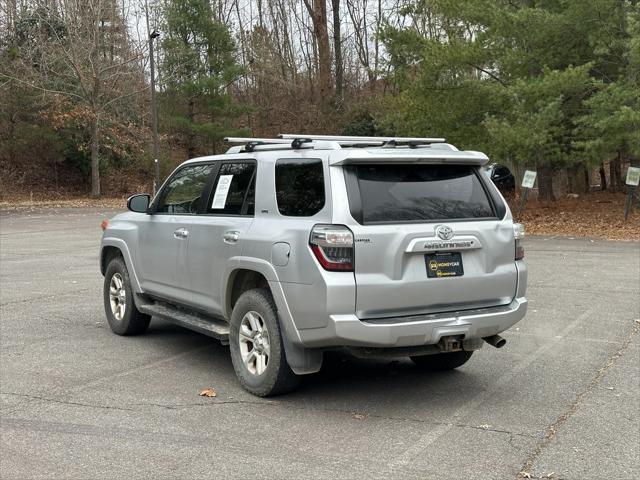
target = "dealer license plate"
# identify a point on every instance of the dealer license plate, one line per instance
(441, 265)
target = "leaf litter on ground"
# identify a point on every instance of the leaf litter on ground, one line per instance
(208, 392)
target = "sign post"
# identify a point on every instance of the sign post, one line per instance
(528, 180)
(633, 179)
(156, 176)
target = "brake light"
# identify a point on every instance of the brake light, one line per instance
(332, 246)
(518, 234)
(104, 224)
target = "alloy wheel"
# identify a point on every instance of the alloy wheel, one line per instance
(255, 348)
(117, 296)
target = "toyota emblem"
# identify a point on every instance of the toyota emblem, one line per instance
(444, 232)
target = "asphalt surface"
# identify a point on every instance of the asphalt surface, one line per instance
(560, 400)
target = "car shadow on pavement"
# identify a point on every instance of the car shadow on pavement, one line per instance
(343, 373)
(343, 377)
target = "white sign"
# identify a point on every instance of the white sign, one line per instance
(222, 190)
(529, 179)
(633, 176)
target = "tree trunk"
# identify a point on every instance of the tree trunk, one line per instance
(603, 178)
(318, 13)
(545, 184)
(587, 179)
(337, 48)
(578, 179)
(615, 173)
(95, 159)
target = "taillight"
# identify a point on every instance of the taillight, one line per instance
(333, 247)
(518, 234)
(105, 224)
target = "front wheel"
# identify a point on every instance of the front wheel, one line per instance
(257, 350)
(122, 315)
(442, 361)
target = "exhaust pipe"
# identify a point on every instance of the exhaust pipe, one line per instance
(495, 340)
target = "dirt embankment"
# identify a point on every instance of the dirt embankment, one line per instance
(598, 215)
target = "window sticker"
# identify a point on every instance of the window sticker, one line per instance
(222, 190)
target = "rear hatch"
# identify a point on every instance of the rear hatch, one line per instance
(428, 238)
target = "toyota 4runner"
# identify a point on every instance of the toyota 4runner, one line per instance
(285, 248)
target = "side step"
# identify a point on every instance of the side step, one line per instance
(199, 323)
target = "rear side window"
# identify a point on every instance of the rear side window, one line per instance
(416, 193)
(234, 190)
(299, 187)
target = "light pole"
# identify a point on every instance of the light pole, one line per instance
(154, 113)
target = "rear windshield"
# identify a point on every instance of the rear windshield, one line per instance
(414, 193)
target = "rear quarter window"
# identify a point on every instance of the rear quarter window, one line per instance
(299, 187)
(390, 193)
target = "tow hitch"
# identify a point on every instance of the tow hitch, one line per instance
(452, 343)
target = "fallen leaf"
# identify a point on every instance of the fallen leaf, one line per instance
(208, 392)
(551, 475)
(525, 474)
(485, 427)
(358, 416)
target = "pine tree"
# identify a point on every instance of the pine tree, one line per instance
(198, 67)
(516, 78)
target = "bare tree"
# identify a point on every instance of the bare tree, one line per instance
(85, 57)
(318, 12)
(337, 49)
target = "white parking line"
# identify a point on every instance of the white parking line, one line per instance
(421, 445)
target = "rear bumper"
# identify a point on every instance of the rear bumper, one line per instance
(349, 330)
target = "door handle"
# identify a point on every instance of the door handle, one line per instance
(181, 233)
(231, 237)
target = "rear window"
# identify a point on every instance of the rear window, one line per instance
(299, 187)
(415, 193)
(234, 190)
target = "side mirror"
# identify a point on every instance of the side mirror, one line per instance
(139, 203)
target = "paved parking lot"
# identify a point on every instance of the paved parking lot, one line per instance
(560, 400)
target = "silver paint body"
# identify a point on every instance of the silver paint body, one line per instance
(387, 302)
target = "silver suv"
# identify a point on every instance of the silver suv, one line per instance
(285, 248)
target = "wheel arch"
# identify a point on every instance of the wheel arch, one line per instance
(241, 280)
(246, 273)
(242, 274)
(113, 247)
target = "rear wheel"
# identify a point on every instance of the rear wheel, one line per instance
(257, 350)
(122, 315)
(442, 361)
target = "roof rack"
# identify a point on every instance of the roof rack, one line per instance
(328, 142)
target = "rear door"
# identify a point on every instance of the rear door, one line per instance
(218, 233)
(428, 238)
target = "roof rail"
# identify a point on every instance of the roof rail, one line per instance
(295, 143)
(351, 139)
(251, 143)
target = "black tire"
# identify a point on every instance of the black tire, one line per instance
(277, 378)
(442, 361)
(133, 322)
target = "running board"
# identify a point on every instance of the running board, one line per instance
(209, 326)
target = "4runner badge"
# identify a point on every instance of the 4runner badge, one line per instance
(444, 232)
